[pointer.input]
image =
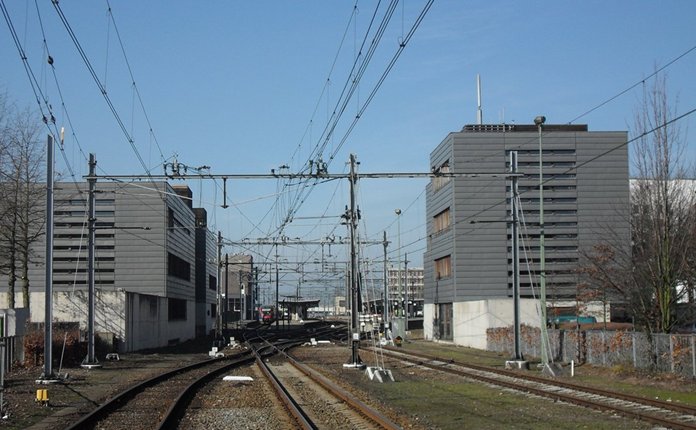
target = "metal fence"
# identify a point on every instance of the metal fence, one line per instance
(675, 353)
(13, 351)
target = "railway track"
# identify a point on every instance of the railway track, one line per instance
(158, 402)
(162, 401)
(315, 402)
(666, 414)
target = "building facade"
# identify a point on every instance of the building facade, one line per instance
(409, 283)
(155, 271)
(468, 261)
(238, 287)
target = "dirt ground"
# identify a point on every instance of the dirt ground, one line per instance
(418, 399)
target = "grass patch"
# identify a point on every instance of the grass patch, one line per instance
(444, 404)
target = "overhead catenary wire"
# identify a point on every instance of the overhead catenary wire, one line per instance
(99, 84)
(348, 91)
(135, 86)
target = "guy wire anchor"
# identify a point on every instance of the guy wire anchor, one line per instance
(380, 374)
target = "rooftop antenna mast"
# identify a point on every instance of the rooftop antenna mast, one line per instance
(479, 112)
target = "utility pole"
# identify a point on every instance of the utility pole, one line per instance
(405, 293)
(90, 361)
(47, 375)
(352, 219)
(241, 296)
(385, 302)
(227, 292)
(218, 317)
(514, 196)
(255, 293)
(539, 122)
(277, 310)
(398, 258)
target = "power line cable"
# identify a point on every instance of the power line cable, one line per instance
(135, 86)
(386, 72)
(642, 81)
(99, 84)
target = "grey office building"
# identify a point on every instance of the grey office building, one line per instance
(155, 264)
(468, 258)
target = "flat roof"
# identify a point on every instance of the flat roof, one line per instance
(511, 128)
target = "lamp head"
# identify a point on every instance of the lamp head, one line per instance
(539, 120)
(398, 211)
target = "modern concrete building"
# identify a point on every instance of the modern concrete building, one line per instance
(468, 261)
(155, 264)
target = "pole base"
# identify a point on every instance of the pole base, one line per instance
(517, 364)
(94, 365)
(358, 366)
(51, 379)
(553, 369)
(379, 374)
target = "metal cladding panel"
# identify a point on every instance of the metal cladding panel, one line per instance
(603, 190)
(480, 267)
(140, 242)
(580, 205)
(211, 265)
(181, 241)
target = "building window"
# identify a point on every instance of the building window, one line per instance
(213, 310)
(440, 181)
(179, 267)
(441, 221)
(174, 224)
(212, 282)
(443, 267)
(177, 309)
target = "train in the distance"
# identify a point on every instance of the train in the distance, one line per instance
(267, 314)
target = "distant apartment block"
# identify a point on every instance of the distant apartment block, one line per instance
(406, 284)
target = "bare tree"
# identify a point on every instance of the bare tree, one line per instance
(30, 204)
(657, 272)
(662, 210)
(21, 218)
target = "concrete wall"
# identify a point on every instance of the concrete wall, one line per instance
(14, 321)
(136, 321)
(471, 319)
(148, 324)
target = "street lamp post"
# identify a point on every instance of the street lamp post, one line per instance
(539, 122)
(398, 257)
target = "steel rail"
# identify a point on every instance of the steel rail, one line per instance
(357, 405)
(177, 409)
(674, 407)
(677, 425)
(90, 420)
(295, 410)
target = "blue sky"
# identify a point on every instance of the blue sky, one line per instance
(240, 87)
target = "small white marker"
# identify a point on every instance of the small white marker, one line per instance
(238, 378)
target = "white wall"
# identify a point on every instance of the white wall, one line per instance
(128, 316)
(472, 319)
(148, 324)
(15, 321)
